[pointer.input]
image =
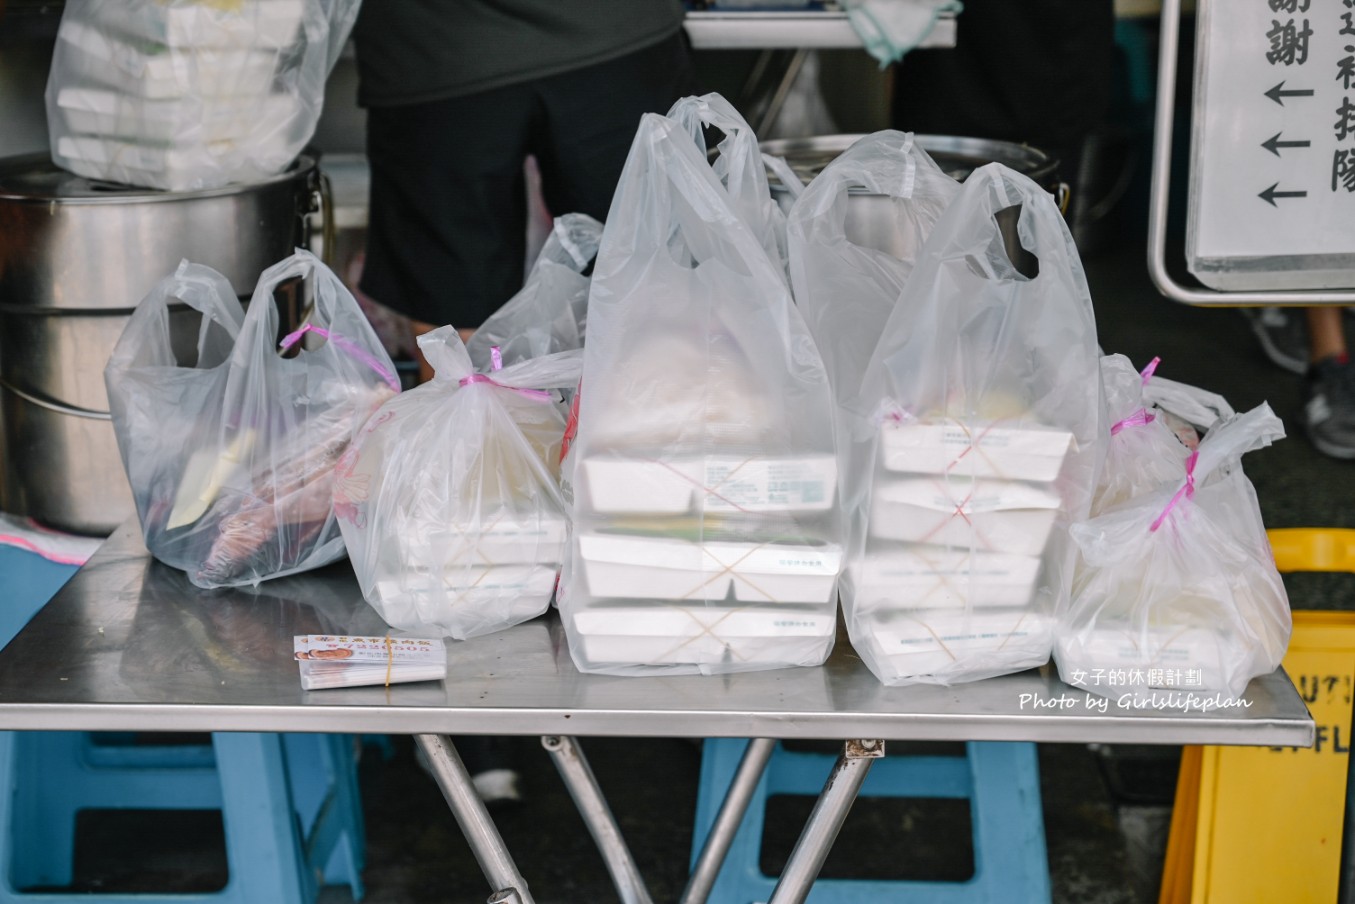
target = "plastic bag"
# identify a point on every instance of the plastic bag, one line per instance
(231, 460)
(449, 500)
(706, 526)
(977, 442)
(550, 312)
(1186, 410)
(739, 166)
(1180, 591)
(187, 94)
(845, 289)
(1142, 452)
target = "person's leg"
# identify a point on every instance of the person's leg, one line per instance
(587, 120)
(447, 213)
(1329, 388)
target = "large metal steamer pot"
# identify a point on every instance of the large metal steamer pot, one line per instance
(872, 220)
(76, 256)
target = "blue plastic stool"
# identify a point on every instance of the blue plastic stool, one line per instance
(289, 803)
(1002, 783)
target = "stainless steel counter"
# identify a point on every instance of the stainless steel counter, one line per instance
(129, 644)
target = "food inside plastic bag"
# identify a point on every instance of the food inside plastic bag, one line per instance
(449, 500)
(185, 94)
(1143, 451)
(1178, 590)
(703, 472)
(231, 461)
(550, 313)
(975, 441)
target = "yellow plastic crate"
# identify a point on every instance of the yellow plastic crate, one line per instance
(1256, 825)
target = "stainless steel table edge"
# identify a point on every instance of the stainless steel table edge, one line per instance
(1170, 728)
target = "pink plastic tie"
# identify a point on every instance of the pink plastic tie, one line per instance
(495, 358)
(344, 346)
(1137, 419)
(485, 378)
(1147, 372)
(1186, 491)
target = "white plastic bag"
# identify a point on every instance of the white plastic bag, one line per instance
(738, 164)
(187, 94)
(706, 525)
(1142, 451)
(1186, 410)
(549, 314)
(845, 289)
(1180, 594)
(449, 500)
(231, 460)
(977, 442)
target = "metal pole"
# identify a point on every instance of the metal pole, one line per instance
(484, 839)
(592, 806)
(728, 820)
(834, 802)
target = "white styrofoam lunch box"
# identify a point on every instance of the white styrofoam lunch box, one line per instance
(720, 638)
(712, 483)
(913, 644)
(414, 599)
(176, 122)
(921, 576)
(500, 539)
(670, 568)
(990, 515)
(1109, 648)
(97, 57)
(269, 24)
(974, 450)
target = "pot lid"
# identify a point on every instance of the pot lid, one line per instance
(34, 177)
(958, 156)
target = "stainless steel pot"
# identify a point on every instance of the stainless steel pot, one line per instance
(872, 220)
(76, 256)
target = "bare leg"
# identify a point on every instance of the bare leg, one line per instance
(1326, 336)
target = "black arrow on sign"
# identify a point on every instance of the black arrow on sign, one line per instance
(1278, 93)
(1273, 144)
(1270, 194)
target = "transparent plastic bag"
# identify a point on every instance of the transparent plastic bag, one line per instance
(449, 500)
(1179, 593)
(845, 289)
(1142, 451)
(738, 164)
(550, 312)
(705, 518)
(1186, 410)
(231, 460)
(188, 94)
(977, 441)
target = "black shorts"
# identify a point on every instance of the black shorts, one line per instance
(447, 219)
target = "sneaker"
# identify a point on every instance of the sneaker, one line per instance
(1328, 415)
(1283, 333)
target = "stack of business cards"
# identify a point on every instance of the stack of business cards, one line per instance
(344, 660)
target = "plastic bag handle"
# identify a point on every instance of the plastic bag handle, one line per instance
(1040, 220)
(789, 178)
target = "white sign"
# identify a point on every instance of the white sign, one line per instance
(1272, 189)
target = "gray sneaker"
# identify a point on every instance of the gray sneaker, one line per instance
(1283, 333)
(1328, 415)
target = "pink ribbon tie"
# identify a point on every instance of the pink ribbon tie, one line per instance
(1186, 491)
(345, 346)
(1137, 419)
(496, 363)
(1147, 372)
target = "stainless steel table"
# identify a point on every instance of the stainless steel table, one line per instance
(130, 645)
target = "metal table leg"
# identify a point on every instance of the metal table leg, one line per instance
(728, 820)
(505, 881)
(819, 833)
(592, 806)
